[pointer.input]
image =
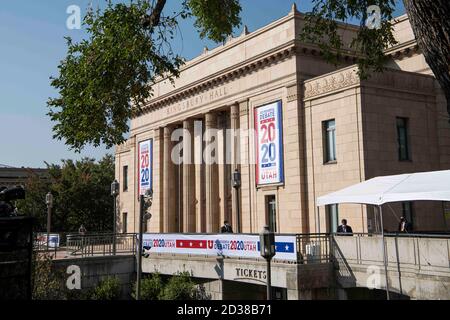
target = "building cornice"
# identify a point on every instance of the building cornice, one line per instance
(404, 49)
(280, 53)
(331, 82)
(348, 77)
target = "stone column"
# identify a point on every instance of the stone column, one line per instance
(168, 184)
(188, 177)
(235, 156)
(247, 221)
(211, 174)
(156, 224)
(199, 177)
(223, 169)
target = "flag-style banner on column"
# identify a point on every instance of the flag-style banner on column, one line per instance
(145, 153)
(269, 144)
(227, 245)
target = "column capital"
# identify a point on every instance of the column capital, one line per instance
(243, 108)
(211, 119)
(167, 132)
(188, 123)
(157, 133)
(234, 111)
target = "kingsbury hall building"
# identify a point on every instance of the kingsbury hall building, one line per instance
(304, 127)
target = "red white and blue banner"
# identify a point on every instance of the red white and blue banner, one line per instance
(145, 153)
(269, 144)
(227, 245)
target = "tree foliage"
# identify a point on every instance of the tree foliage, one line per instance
(48, 283)
(109, 288)
(81, 193)
(106, 78)
(179, 287)
(327, 16)
(151, 287)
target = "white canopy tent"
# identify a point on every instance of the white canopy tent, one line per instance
(432, 185)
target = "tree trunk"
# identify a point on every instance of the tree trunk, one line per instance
(430, 22)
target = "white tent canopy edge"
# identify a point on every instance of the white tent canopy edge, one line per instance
(432, 185)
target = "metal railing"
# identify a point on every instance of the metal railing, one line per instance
(100, 245)
(77, 245)
(313, 248)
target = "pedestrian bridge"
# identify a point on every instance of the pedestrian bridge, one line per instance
(418, 266)
(327, 266)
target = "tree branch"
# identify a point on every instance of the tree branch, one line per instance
(153, 19)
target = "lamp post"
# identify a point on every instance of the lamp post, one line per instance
(49, 203)
(236, 186)
(145, 203)
(267, 250)
(114, 193)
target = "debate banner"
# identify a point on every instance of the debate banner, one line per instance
(226, 245)
(269, 144)
(145, 166)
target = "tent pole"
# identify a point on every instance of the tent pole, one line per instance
(384, 253)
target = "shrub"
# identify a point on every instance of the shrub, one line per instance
(151, 287)
(179, 287)
(48, 282)
(108, 289)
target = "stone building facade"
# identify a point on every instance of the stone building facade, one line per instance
(394, 122)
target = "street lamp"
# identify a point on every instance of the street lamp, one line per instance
(267, 250)
(236, 186)
(49, 203)
(114, 193)
(145, 203)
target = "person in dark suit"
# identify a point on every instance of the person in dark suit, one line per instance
(226, 227)
(344, 228)
(404, 226)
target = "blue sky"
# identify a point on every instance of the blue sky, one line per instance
(31, 46)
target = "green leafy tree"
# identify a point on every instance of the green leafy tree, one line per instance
(107, 289)
(81, 193)
(106, 79)
(48, 283)
(179, 287)
(151, 287)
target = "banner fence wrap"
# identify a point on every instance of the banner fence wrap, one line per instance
(227, 245)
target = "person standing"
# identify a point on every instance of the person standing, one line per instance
(404, 226)
(82, 233)
(344, 228)
(226, 227)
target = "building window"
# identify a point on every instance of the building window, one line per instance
(124, 222)
(271, 212)
(329, 139)
(407, 212)
(125, 178)
(332, 216)
(402, 138)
